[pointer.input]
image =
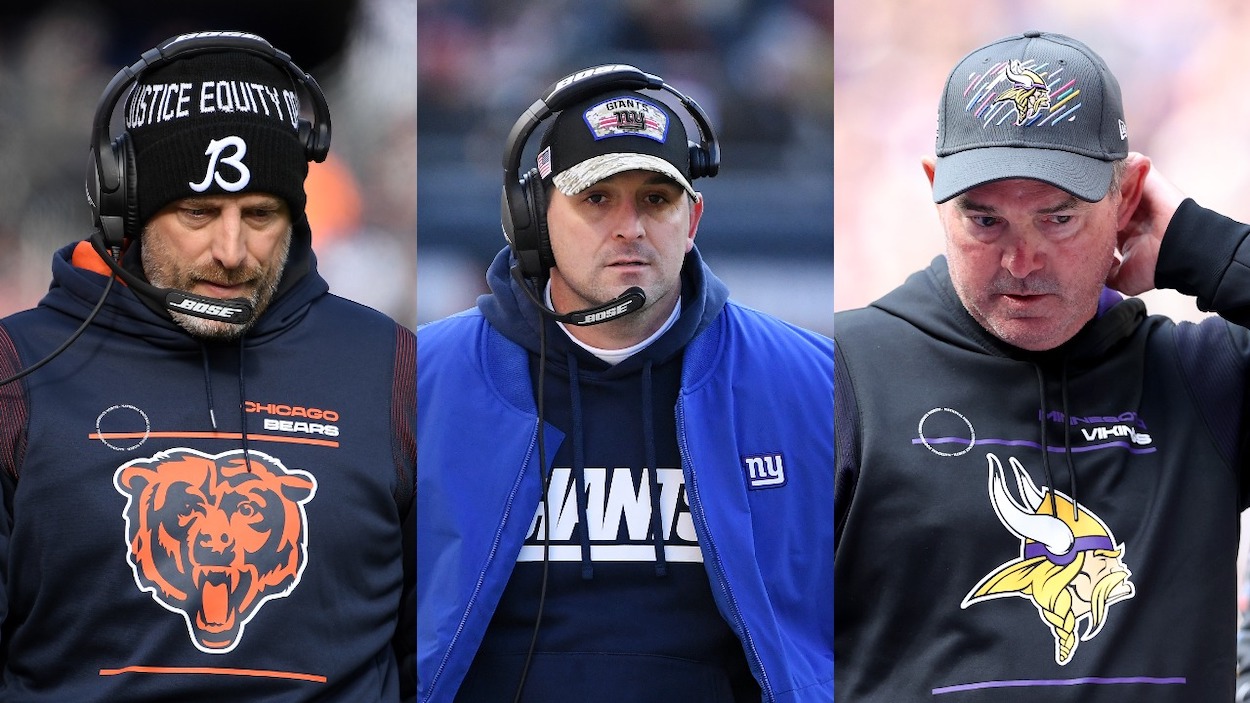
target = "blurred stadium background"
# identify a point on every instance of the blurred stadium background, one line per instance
(762, 69)
(57, 57)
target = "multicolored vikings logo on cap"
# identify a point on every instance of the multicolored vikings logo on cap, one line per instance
(1070, 567)
(1024, 91)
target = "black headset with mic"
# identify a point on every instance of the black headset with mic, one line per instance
(112, 176)
(523, 208)
(112, 179)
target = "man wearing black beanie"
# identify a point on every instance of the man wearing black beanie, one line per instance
(206, 458)
(213, 129)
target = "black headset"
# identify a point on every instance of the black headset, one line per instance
(524, 209)
(112, 178)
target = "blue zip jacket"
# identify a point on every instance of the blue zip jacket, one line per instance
(752, 387)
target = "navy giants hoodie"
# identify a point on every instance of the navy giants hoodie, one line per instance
(143, 558)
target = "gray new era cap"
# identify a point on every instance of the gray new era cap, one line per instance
(1034, 105)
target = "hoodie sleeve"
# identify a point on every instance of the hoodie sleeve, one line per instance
(1207, 255)
(13, 417)
(846, 441)
(404, 419)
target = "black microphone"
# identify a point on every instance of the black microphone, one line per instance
(631, 300)
(236, 311)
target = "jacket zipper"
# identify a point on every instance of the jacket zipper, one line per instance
(696, 510)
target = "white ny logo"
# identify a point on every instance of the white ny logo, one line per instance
(215, 148)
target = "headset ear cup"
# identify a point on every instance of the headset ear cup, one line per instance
(538, 210)
(698, 162)
(316, 140)
(115, 210)
(306, 138)
(93, 186)
(125, 153)
(530, 244)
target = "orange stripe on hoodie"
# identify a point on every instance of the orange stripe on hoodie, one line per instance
(86, 257)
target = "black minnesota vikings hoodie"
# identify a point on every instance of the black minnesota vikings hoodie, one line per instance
(1044, 526)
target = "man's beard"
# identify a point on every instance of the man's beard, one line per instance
(161, 272)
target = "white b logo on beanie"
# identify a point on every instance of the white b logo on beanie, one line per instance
(234, 160)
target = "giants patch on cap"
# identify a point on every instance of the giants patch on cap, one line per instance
(609, 134)
(626, 116)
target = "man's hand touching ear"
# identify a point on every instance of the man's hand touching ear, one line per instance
(1148, 201)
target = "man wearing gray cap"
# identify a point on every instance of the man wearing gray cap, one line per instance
(625, 482)
(1038, 484)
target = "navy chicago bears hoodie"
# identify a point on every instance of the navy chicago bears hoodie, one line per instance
(142, 558)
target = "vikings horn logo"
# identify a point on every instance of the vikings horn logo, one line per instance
(1072, 569)
(215, 537)
(1029, 94)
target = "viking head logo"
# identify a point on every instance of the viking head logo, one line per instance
(1069, 566)
(1028, 94)
(215, 537)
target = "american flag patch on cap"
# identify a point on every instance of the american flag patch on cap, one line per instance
(544, 163)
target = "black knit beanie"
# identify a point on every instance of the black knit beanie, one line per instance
(217, 122)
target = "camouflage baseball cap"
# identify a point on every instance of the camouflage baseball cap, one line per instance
(610, 133)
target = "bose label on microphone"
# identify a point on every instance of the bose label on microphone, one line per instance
(630, 301)
(603, 315)
(224, 310)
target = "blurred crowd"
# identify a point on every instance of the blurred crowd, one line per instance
(57, 57)
(761, 69)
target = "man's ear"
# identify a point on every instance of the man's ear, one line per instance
(930, 167)
(696, 214)
(1136, 167)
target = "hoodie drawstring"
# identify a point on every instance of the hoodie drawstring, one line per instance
(1067, 441)
(579, 469)
(1050, 480)
(208, 387)
(212, 413)
(247, 456)
(648, 438)
(579, 466)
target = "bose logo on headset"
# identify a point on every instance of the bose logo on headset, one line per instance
(596, 71)
(606, 315)
(205, 309)
(214, 35)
